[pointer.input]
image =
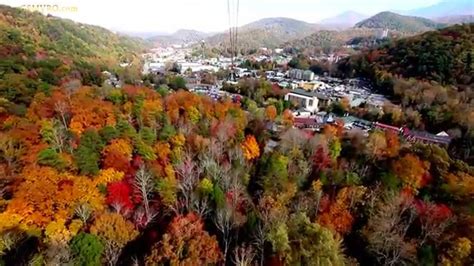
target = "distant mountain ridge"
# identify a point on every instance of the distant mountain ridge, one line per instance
(279, 23)
(394, 21)
(277, 31)
(182, 36)
(267, 32)
(460, 19)
(346, 19)
(141, 34)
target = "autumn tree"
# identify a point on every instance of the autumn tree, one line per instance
(119, 197)
(167, 183)
(115, 231)
(376, 145)
(107, 176)
(321, 159)
(337, 215)
(46, 196)
(57, 235)
(89, 112)
(411, 170)
(458, 253)
(250, 148)
(387, 230)
(287, 118)
(434, 219)
(460, 185)
(150, 112)
(271, 112)
(117, 155)
(393, 144)
(10, 152)
(185, 243)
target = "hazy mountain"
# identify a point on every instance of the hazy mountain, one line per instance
(267, 32)
(140, 34)
(182, 36)
(394, 21)
(460, 19)
(281, 24)
(444, 9)
(346, 19)
(328, 41)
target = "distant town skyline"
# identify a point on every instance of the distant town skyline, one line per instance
(207, 15)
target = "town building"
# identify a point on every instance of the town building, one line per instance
(311, 86)
(308, 100)
(196, 67)
(441, 138)
(300, 74)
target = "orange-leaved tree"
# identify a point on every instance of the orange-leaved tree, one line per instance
(250, 148)
(117, 155)
(411, 170)
(46, 196)
(185, 243)
(271, 112)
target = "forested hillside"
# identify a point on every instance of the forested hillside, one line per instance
(328, 41)
(394, 21)
(38, 52)
(432, 76)
(444, 56)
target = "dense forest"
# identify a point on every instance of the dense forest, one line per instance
(96, 175)
(130, 176)
(432, 76)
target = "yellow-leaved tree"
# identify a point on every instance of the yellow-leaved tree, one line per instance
(115, 232)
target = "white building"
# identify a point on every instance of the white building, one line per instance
(196, 67)
(301, 74)
(308, 100)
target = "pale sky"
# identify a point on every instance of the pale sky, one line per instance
(208, 15)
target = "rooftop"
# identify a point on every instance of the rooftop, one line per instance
(306, 93)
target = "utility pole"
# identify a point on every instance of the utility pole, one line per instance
(233, 16)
